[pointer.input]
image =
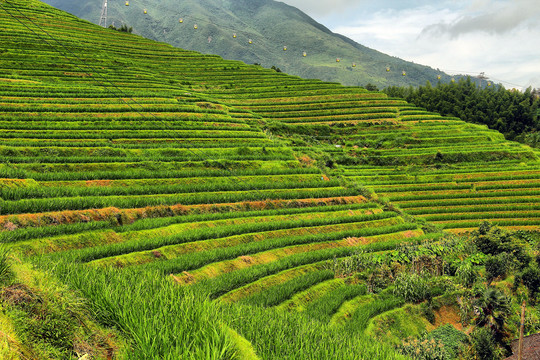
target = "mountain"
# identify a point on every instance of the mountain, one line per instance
(270, 25)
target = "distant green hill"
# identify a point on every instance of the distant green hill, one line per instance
(270, 25)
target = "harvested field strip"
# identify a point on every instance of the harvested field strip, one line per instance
(145, 170)
(278, 294)
(493, 208)
(195, 261)
(347, 309)
(67, 241)
(177, 181)
(100, 188)
(459, 194)
(487, 185)
(113, 215)
(464, 193)
(461, 231)
(349, 121)
(365, 312)
(92, 202)
(325, 307)
(232, 280)
(480, 215)
(467, 201)
(451, 224)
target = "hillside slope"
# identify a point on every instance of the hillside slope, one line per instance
(175, 190)
(270, 25)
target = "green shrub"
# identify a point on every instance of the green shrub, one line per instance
(413, 287)
(531, 279)
(466, 274)
(490, 239)
(493, 240)
(484, 345)
(424, 349)
(496, 266)
(451, 338)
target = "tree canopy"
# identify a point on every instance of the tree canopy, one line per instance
(511, 112)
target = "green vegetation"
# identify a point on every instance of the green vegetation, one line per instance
(513, 113)
(429, 277)
(123, 28)
(156, 203)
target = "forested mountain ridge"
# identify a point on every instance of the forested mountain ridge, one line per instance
(270, 25)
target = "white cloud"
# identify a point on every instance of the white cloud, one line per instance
(505, 46)
(323, 7)
(492, 17)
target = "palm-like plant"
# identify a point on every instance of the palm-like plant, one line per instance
(492, 309)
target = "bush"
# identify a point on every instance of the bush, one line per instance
(484, 345)
(531, 279)
(451, 338)
(493, 240)
(424, 349)
(490, 239)
(412, 287)
(466, 274)
(496, 266)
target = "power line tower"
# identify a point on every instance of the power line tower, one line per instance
(481, 77)
(103, 18)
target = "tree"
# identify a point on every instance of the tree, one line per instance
(371, 87)
(509, 111)
(496, 266)
(531, 279)
(492, 309)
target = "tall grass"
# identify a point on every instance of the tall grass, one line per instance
(283, 335)
(382, 303)
(275, 295)
(149, 242)
(323, 308)
(161, 319)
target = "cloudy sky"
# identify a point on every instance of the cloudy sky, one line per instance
(498, 37)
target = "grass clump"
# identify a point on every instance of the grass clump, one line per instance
(160, 319)
(48, 321)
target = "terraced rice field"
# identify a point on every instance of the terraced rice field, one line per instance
(452, 174)
(121, 152)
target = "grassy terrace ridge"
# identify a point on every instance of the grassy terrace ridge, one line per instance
(151, 181)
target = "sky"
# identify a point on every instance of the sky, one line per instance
(498, 37)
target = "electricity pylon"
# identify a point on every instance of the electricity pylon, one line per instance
(103, 18)
(481, 77)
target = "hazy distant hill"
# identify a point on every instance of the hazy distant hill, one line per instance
(270, 24)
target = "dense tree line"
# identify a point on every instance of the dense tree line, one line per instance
(123, 28)
(513, 113)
